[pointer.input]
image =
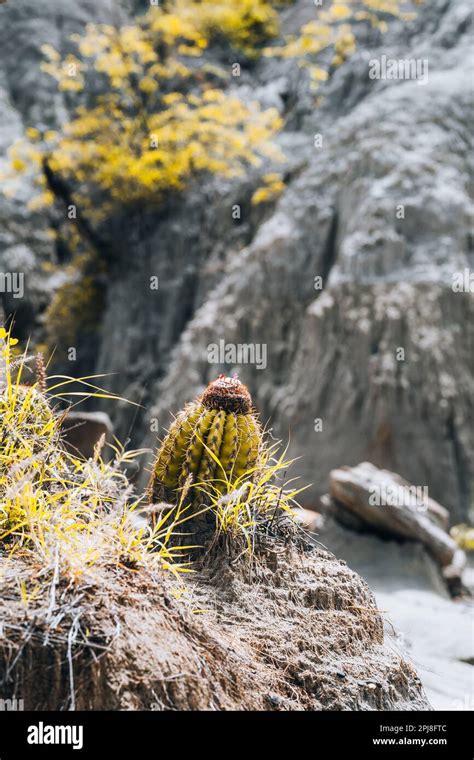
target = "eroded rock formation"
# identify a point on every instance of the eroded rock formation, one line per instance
(316, 644)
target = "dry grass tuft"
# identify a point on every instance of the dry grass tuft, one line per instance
(65, 517)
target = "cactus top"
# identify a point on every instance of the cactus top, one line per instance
(228, 394)
(213, 442)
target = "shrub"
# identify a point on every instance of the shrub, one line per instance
(330, 37)
(153, 119)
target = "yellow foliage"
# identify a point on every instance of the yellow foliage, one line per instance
(161, 120)
(33, 134)
(272, 187)
(464, 536)
(68, 71)
(332, 31)
(41, 201)
(144, 136)
(73, 312)
(26, 156)
(245, 24)
(212, 132)
(151, 129)
(18, 164)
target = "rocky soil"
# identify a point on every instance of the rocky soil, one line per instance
(316, 644)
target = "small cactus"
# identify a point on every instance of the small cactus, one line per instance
(217, 433)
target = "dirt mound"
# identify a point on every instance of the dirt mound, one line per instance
(297, 630)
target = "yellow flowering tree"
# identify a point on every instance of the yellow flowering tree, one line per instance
(148, 116)
(150, 113)
(156, 120)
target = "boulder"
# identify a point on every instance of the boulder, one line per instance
(81, 431)
(389, 505)
(317, 642)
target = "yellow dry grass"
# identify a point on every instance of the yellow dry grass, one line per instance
(59, 512)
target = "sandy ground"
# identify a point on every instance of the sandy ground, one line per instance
(421, 621)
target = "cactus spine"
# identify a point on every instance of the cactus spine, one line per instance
(215, 439)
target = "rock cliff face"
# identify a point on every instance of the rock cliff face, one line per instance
(375, 362)
(334, 354)
(28, 97)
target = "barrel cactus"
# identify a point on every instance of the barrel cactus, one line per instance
(213, 442)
